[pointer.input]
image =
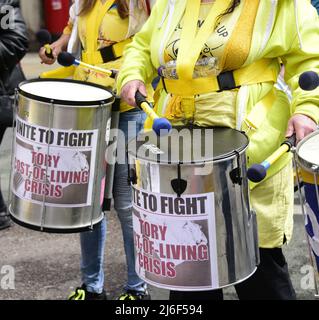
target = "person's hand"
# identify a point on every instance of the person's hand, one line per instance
(56, 50)
(302, 125)
(129, 90)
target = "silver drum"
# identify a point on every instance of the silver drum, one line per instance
(307, 160)
(58, 166)
(193, 226)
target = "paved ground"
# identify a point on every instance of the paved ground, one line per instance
(47, 266)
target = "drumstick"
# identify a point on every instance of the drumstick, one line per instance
(66, 59)
(160, 125)
(257, 172)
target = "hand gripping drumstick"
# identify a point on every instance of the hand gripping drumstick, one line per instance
(160, 125)
(66, 59)
(257, 172)
(45, 38)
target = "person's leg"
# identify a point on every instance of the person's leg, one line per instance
(271, 281)
(3, 207)
(197, 295)
(273, 201)
(123, 207)
(92, 259)
(130, 124)
(2, 202)
(4, 217)
(2, 132)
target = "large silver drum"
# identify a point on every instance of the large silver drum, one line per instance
(193, 226)
(58, 166)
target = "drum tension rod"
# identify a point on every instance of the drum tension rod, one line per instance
(235, 174)
(179, 185)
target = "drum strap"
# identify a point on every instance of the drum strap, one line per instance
(93, 22)
(257, 72)
(191, 44)
(106, 54)
(192, 41)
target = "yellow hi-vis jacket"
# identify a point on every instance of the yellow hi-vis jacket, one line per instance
(283, 29)
(101, 22)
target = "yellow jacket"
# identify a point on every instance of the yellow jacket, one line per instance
(284, 29)
(84, 35)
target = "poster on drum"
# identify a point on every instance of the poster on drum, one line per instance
(54, 166)
(174, 240)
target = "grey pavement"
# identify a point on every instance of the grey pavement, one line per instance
(47, 266)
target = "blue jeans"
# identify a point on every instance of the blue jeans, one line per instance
(93, 242)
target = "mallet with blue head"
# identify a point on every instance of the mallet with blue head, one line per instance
(257, 172)
(161, 126)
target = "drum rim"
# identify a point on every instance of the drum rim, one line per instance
(66, 102)
(305, 164)
(226, 156)
(52, 229)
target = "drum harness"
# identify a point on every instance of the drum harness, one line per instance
(188, 87)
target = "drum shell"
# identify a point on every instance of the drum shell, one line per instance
(308, 169)
(235, 223)
(66, 117)
(305, 164)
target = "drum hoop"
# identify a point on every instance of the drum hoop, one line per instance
(65, 102)
(221, 158)
(230, 156)
(52, 230)
(305, 164)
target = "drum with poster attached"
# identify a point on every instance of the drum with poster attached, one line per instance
(193, 225)
(58, 166)
(307, 153)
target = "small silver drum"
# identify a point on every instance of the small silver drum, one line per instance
(193, 226)
(58, 166)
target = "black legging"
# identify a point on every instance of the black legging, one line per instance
(2, 203)
(271, 281)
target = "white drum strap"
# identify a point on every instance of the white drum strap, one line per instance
(74, 45)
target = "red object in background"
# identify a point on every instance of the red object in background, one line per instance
(56, 15)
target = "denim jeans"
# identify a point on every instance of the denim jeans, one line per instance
(93, 243)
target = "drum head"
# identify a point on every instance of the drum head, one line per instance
(65, 92)
(308, 151)
(184, 145)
